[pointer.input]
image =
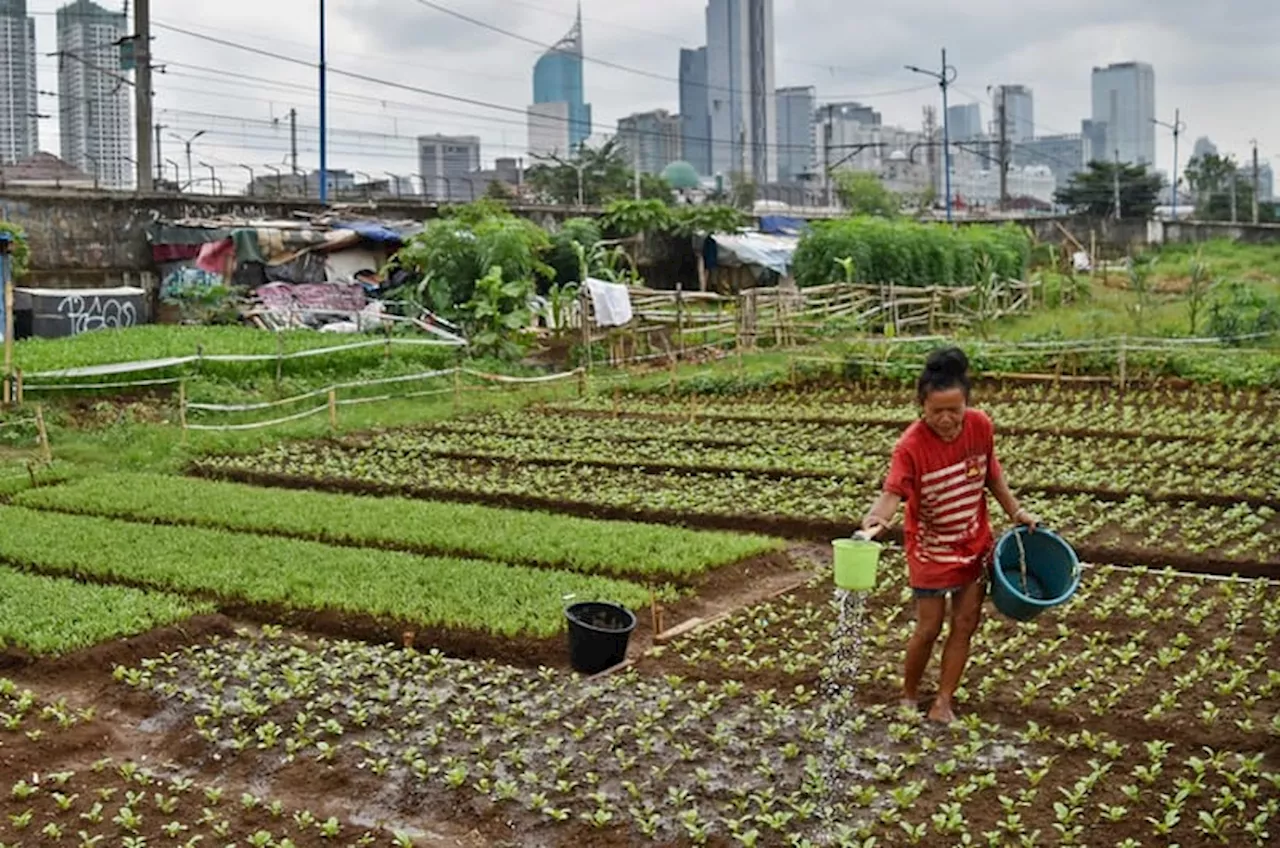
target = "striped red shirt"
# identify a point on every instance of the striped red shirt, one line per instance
(948, 531)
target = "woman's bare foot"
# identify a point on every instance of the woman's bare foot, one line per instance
(941, 712)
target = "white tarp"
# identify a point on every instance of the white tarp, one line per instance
(611, 303)
(765, 251)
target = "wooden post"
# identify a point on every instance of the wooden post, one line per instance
(585, 312)
(182, 408)
(386, 348)
(680, 317)
(457, 388)
(279, 359)
(1124, 376)
(674, 375)
(582, 382)
(46, 453)
(333, 409)
(7, 282)
(17, 381)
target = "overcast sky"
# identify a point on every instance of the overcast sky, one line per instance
(1216, 61)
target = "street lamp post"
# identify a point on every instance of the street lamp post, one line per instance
(213, 178)
(395, 180)
(1177, 127)
(945, 78)
(277, 173)
(187, 142)
(324, 116)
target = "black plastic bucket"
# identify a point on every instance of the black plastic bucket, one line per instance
(598, 635)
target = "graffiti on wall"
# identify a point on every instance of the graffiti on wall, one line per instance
(98, 312)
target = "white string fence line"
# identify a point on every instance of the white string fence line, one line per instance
(21, 422)
(55, 387)
(142, 365)
(258, 425)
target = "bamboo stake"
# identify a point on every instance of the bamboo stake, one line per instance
(18, 384)
(46, 453)
(279, 358)
(333, 409)
(182, 408)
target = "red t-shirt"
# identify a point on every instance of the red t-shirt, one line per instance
(948, 532)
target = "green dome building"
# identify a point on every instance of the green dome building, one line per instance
(681, 176)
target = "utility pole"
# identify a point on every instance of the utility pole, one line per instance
(293, 140)
(1235, 178)
(1115, 179)
(324, 117)
(1002, 113)
(945, 78)
(142, 91)
(635, 160)
(1177, 126)
(827, 133)
(1254, 142)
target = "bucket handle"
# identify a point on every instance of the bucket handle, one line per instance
(1022, 558)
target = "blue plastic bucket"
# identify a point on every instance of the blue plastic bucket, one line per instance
(1053, 573)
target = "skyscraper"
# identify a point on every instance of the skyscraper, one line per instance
(446, 163)
(1019, 113)
(964, 122)
(557, 78)
(651, 140)
(740, 89)
(796, 148)
(1124, 96)
(695, 118)
(19, 128)
(97, 133)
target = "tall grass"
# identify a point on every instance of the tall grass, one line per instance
(909, 254)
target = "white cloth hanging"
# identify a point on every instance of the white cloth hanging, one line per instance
(611, 303)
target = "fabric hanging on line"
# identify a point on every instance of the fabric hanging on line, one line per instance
(247, 248)
(215, 255)
(611, 302)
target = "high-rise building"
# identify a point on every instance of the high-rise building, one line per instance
(1203, 147)
(1124, 96)
(740, 89)
(1095, 136)
(650, 140)
(446, 163)
(695, 115)
(19, 127)
(557, 78)
(1019, 113)
(549, 130)
(1063, 155)
(796, 148)
(964, 122)
(97, 130)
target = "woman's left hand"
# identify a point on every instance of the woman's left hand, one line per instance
(1026, 518)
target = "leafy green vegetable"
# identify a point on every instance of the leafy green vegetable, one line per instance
(49, 616)
(516, 536)
(429, 592)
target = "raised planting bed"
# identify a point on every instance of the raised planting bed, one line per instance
(546, 540)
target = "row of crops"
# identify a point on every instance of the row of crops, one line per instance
(1117, 717)
(151, 550)
(1134, 480)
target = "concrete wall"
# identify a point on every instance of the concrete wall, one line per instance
(87, 238)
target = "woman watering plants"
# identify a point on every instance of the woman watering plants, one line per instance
(942, 466)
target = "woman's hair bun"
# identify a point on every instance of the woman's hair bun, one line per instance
(948, 361)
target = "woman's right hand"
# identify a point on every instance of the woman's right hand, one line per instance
(873, 525)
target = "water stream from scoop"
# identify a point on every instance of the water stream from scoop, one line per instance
(847, 642)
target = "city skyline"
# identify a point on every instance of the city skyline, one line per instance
(389, 40)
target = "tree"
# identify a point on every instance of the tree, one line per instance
(605, 173)
(20, 251)
(862, 193)
(1210, 178)
(1092, 191)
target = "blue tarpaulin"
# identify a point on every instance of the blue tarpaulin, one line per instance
(372, 231)
(780, 225)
